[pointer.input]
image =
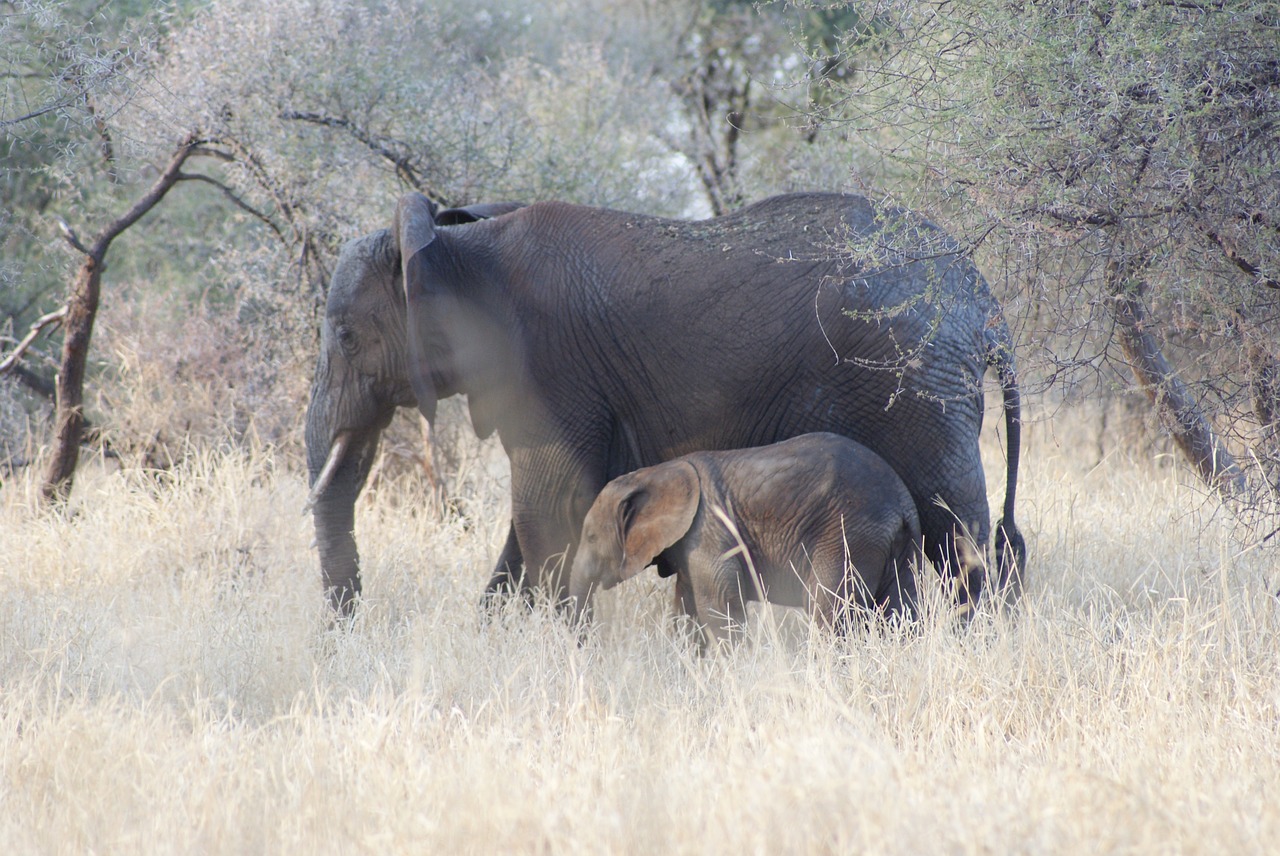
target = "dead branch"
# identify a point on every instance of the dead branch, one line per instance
(71, 237)
(1233, 255)
(384, 147)
(55, 317)
(250, 161)
(235, 199)
(34, 383)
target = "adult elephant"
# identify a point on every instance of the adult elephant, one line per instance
(595, 342)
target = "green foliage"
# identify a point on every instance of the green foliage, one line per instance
(1099, 155)
(68, 70)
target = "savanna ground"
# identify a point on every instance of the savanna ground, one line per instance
(170, 682)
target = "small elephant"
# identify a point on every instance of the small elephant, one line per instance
(817, 521)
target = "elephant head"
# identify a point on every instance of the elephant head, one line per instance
(385, 343)
(634, 518)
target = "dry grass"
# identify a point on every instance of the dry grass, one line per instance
(169, 683)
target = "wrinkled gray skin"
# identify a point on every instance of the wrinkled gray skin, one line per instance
(818, 522)
(596, 342)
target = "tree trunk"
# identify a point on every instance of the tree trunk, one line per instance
(82, 310)
(1179, 412)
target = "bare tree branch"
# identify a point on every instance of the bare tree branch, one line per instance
(48, 320)
(384, 147)
(1167, 392)
(72, 238)
(46, 110)
(35, 383)
(106, 146)
(242, 155)
(235, 200)
(1233, 256)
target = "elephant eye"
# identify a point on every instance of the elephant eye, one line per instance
(346, 338)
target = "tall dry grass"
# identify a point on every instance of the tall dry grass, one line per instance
(169, 683)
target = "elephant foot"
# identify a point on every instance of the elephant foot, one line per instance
(501, 588)
(343, 597)
(1011, 562)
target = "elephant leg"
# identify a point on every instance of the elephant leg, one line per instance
(831, 585)
(950, 489)
(547, 519)
(898, 596)
(841, 598)
(685, 605)
(508, 574)
(721, 603)
(548, 553)
(684, 616)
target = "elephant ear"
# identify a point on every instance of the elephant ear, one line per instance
(415, 230)
(472, 213)
(656, 513)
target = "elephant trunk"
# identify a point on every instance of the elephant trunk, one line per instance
(337, 470)
(582, 585)
(334, 516)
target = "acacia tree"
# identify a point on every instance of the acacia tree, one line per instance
(69, 72)
(61, 66)
(87, 78)
(1118, 164)
(78, 320)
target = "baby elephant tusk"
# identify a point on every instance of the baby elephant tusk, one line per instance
(337, 452)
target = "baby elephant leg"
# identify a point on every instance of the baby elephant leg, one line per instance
(721, 603)
(835, 590)
(685, 613)
(841, 597)
(898, 593)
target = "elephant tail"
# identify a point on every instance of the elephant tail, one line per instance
(1011, 549)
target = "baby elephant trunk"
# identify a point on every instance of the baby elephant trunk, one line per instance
(582, 585)
(588, 576)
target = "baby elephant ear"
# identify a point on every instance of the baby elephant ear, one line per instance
(414, 230)
(656, 514)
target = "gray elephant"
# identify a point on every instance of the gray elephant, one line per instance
(595, 342)
(817, 521)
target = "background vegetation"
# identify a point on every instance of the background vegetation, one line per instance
(170, 684)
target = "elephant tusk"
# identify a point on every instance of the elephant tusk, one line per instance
(337, 452)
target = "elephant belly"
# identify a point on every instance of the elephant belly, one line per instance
(787, 585)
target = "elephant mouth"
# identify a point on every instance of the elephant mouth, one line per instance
(337, 454)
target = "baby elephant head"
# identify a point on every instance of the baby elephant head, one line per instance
(634, 518)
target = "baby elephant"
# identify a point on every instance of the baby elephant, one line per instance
(816, 521)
